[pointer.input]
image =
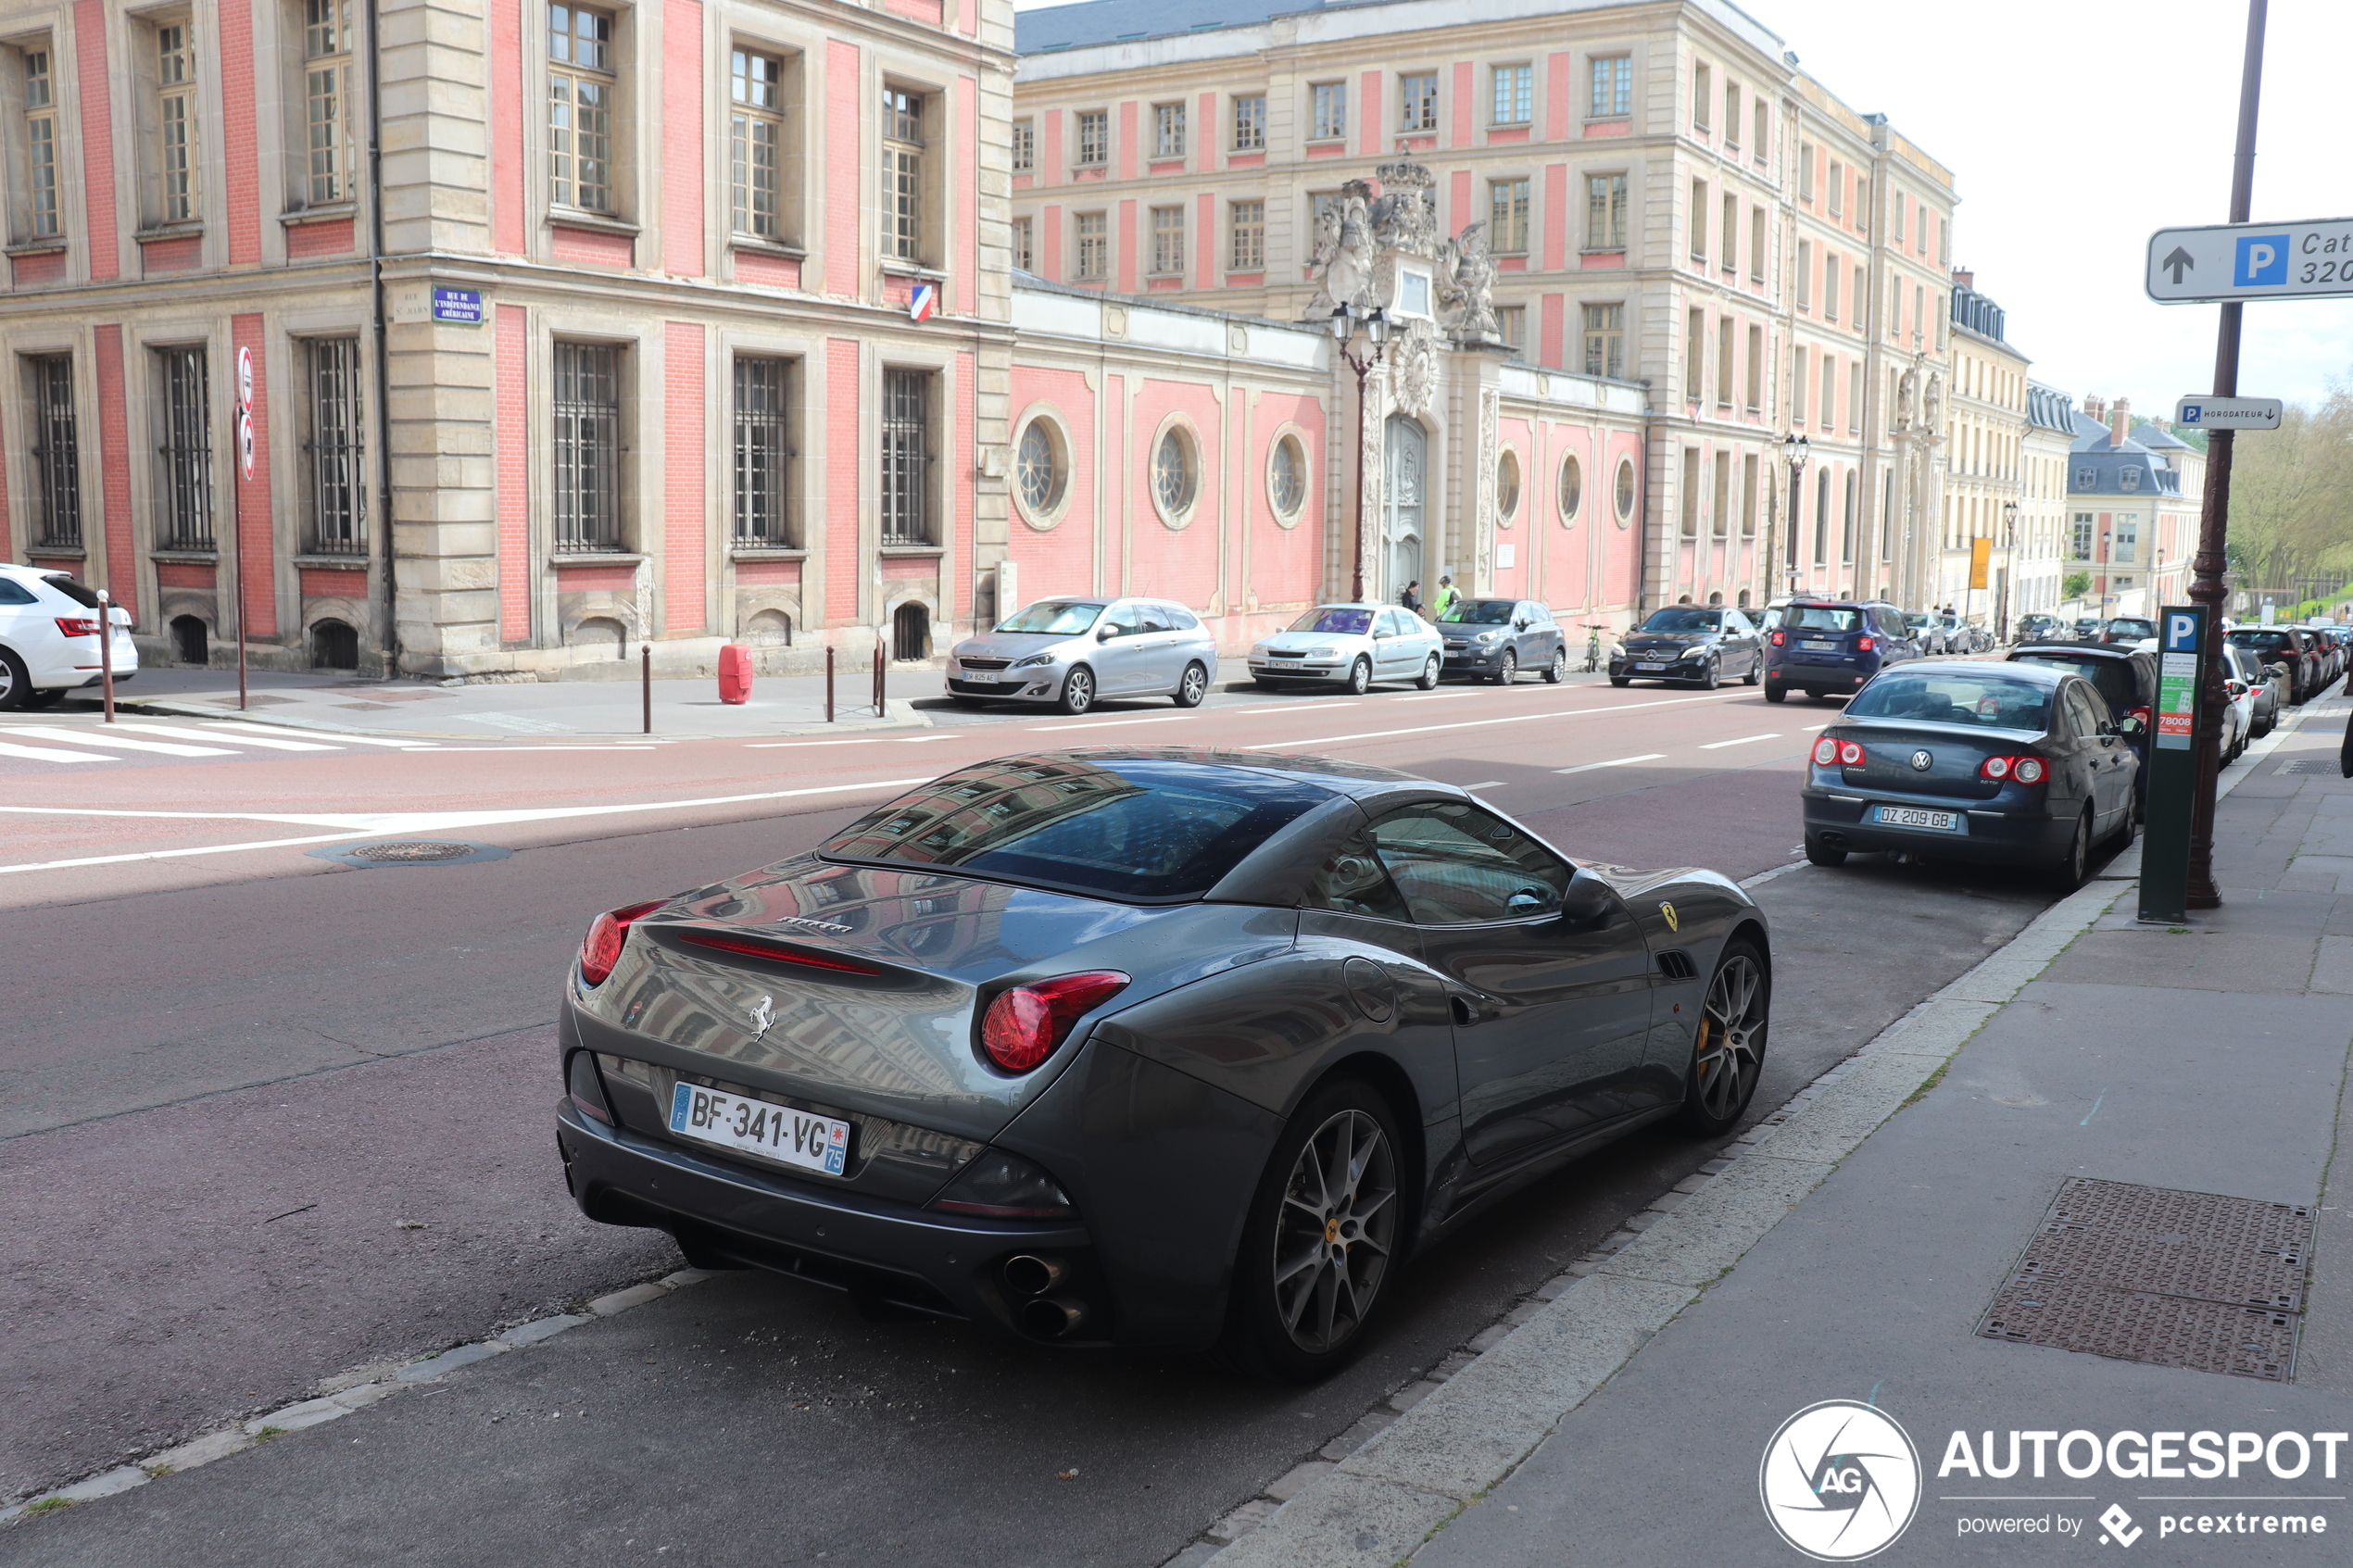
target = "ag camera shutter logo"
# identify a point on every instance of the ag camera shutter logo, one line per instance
(1840, 1481)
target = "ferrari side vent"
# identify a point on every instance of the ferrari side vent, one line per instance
(1676, 964)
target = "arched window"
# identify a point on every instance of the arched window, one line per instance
(911, 632)
(190, 641)
(333, 646)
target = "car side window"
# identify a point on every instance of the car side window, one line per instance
(1458, 865)
(1124, 620)
(2085, 710)
(15, 592)
(1181, 619)
(1154, 618)
(1353, 882)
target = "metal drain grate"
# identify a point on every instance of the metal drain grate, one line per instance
(2141, 1273)
(2316, 766)
(409, 852)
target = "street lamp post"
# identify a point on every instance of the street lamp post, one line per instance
(1347, 320)
(1796, 451)
(2009, 569)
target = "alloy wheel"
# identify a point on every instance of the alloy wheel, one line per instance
(1193, 687)
(1558, 671)
(1430, 670)
(1360, 677)
(1508, 671)
(1078, 690)
(1728, 1055)
(1334, 1235)
(1708, 677)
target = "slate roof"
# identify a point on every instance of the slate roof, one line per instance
(1114, 22)
(2095, 467)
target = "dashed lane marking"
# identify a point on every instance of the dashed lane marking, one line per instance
(1480, 724)
(1613, 763)
(239, 727)
(1744, 740)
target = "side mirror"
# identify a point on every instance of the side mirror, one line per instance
(1105, 633)
(1587, 900)
(1519, 625)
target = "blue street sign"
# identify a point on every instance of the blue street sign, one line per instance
(462, 306)
(2181, 631)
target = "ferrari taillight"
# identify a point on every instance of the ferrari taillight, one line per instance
(1022, 1025)
(601, 949)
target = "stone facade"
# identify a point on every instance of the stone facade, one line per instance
(1985, 471)
(2135, 495)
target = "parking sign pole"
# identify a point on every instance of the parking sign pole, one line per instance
(2206, 586)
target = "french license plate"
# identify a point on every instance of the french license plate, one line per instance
(1820, 648)
(754, 1126)
(980, 678)
(1915, 816)
(1650, 667)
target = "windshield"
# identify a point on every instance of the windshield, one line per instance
(1481, 612)
(1823, 618)
(1998, 702)
(1341, 621)
(1683, 618)
(1915, 618)
(2131, 628)
(2260, 639)
(1128, 829)
(2118, 685)
(1060, 617)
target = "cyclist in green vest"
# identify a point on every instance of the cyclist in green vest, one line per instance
(1444, 601)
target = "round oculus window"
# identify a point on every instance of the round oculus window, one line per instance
(1572, 487)
(1508, 485)
(1039, 471)
(1287, 477)
(1625, 491)
(1173, 482)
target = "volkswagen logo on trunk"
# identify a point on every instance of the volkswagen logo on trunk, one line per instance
(1923, 761)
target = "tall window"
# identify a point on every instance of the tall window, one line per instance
(332, 444)
(40, 147)
(906, 457)
(1094, 246)
(1417, 102)
(1024, 146)
(1023, 256)
(1852, 519)
(2079, 538)
(1829, 288)
(1695, 355)
(1330, 106)
(1249, 251)
(176, 121)
(1249, 123)
(1748, 496)
(1806, 171)
(1094, 137)
(1729, 235)
(1700, 92)
(1862, 284)
(1797, 388)
(902, 174)
(1507, 216)
(1605, 212)
(1838, 188)
(1606, 340)
(1853, 396)
(1755, 399)
(764, 448)
(1514, 94)
(1732, 118)
(588, 447)
(1724, 366)
(1805, 274)
(756, 141)
(1761, 146)
(1168, 239)
(1757, 245)
(1722, 515)
(1168, 131)
(57, 449)
(1699, 221)
(183, 451)
(326, 93)
(1511, 325)
(1612, 87)
(1828, 414)
(580, 96)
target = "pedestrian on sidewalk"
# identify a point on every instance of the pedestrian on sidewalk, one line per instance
(1446, 596)
(1412, 598)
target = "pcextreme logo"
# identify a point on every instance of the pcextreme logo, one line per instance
(1840, 1481)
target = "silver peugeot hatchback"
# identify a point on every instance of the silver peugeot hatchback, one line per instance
(1073, 652)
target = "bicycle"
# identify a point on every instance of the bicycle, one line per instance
(1592, 648)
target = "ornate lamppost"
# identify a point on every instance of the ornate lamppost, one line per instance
(1348, 321)
(2010, 570)
(1796, 451)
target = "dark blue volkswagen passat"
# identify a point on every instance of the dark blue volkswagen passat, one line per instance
(2011, 764)
(1144, 1047)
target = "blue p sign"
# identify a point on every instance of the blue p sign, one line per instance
(2262, 260)
(2180, 632)
(2193, 413)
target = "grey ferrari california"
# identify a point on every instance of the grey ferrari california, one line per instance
(1142, 1047)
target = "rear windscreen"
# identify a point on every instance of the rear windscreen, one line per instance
(87, 599)
(1124, 829)
(2119, 687)
(1995, 702)
(1823, 618)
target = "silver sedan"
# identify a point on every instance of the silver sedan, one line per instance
(1352, 646)
(1071, 652)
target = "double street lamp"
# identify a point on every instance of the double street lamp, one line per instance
(1796, 451)
(1372, 322)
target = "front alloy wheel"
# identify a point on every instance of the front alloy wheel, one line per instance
(1707, 676)
(1078, 690)
(1508, 669)
(1727, 1052)
(1360, 677)
(1193, 687)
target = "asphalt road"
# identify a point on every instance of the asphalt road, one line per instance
(215, 1158)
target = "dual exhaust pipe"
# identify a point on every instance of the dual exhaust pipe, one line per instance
(1032, 1280)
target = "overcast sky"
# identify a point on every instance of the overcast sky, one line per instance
(2073, 128)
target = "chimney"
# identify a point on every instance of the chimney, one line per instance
(1964, 278)
(2096, 407)
(2119, 422)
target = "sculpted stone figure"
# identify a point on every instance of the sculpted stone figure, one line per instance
(1908, 397)
(1465, 277)
(1932, 404)
(1406, 218)
(1342, 263)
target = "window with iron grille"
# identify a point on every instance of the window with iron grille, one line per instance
(176, 124)
(1605, 212)
(1094, 246)
(1248, 249)
(1331, 111)
(581, 86)
(906, 457)
(763, 452)
(1249, 123)
(57, 449)
(1024, 146)
(183, 451)
(588, 447)
(1094, 137)
(40, 146)
(903, 175)
(332, 444)
(326, 94)
(756, 141)
(1168, 240)
(1168, 131)
(1417, 102)
(1507, 216)
(1514, 94)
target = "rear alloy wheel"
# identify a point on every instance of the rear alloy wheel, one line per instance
(1360, 677)
(1727, 1050)
(1078, 690)
(1319, 1238)
(1508, 671)
(2071, 872)
(1431, 668)
(1558, 671)
(1755, 674)
(1193, 687)
(16, 682)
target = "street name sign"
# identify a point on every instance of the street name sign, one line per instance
(2227, 413)
(2307, 260)
(2183, 647)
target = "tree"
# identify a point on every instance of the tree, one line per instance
(2077, 584)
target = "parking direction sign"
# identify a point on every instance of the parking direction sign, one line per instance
(2228, 413)
(2312, 259)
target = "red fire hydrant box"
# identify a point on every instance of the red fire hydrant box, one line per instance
(735, 673)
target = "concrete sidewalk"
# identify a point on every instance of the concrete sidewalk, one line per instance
(1856, 1247)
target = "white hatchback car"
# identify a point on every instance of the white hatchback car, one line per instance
(1352, 646)
(49, 637)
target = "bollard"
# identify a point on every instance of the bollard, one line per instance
(829, 683)
(106, 649)
(879, 712)
(645, 664)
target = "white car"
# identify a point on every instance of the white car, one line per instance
(1351, 646)
(49, 637)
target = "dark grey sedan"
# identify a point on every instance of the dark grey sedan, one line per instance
(1144, 1047)
(1495, 639)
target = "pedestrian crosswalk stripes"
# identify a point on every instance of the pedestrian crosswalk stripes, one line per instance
(61, 744)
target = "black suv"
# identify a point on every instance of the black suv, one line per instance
(2127, 682)
(1829, 647)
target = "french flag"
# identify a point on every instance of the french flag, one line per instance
(925, 300)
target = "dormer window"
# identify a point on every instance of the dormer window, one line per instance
(2086, 478)
(2128, 478)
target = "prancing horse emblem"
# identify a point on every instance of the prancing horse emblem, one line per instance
(1923, 761)
(1672, 924)
(763, 1015)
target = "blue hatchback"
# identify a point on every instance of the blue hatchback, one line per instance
(1829, 647)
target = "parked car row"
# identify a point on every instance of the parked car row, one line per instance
(2309, 658)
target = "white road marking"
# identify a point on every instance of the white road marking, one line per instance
(176, 854)
(92, 737)
(1613, 763)
(864, 740)
(615, 746)
(243, 728)
(42, 753)
(1475, 723)
(1107, 723)
(1297, 708)
(1720, 744)
(265, 743)
(1490, 783)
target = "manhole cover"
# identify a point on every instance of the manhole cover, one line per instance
(2140, 1273)
(2318, 765)
(410, 853)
